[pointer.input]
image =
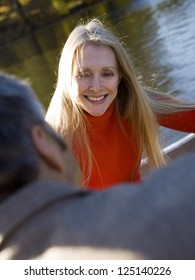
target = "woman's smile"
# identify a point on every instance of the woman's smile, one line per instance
(96, 99)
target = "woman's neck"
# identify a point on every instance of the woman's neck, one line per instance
(99, 121)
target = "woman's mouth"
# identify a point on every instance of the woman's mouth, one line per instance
(96, 99)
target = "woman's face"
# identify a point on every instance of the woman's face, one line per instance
(95, 79)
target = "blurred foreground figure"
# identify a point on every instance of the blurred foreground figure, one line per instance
(43, 215)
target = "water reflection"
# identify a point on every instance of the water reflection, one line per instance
(159, 34)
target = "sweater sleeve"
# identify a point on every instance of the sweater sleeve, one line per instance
(181, 121)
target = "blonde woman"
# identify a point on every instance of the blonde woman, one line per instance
(108, 119)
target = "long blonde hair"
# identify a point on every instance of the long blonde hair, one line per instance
(133, 101)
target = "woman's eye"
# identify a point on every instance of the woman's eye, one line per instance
(83, 75)
(108, 74)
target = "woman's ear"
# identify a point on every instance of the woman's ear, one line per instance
(47, 149)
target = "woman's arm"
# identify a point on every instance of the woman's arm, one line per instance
(181, 121)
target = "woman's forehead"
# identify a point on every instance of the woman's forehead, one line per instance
(92, 54)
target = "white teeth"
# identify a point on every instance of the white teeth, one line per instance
(96, 99)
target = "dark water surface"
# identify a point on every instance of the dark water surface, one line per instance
(160, 36)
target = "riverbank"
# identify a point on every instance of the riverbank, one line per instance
(19, 20)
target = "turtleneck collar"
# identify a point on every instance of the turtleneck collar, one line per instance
(97, 122)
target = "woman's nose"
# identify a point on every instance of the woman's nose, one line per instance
(95, 84)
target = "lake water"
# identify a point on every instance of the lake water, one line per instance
(160, 36)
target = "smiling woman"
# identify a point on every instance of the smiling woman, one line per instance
(105, 115)
(95, 82)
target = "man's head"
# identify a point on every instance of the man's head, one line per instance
(29, 148)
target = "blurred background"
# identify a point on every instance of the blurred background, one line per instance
(159, 35)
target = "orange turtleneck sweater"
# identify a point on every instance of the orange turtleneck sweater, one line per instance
(117, 156)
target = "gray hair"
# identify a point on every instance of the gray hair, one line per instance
(20, 110)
